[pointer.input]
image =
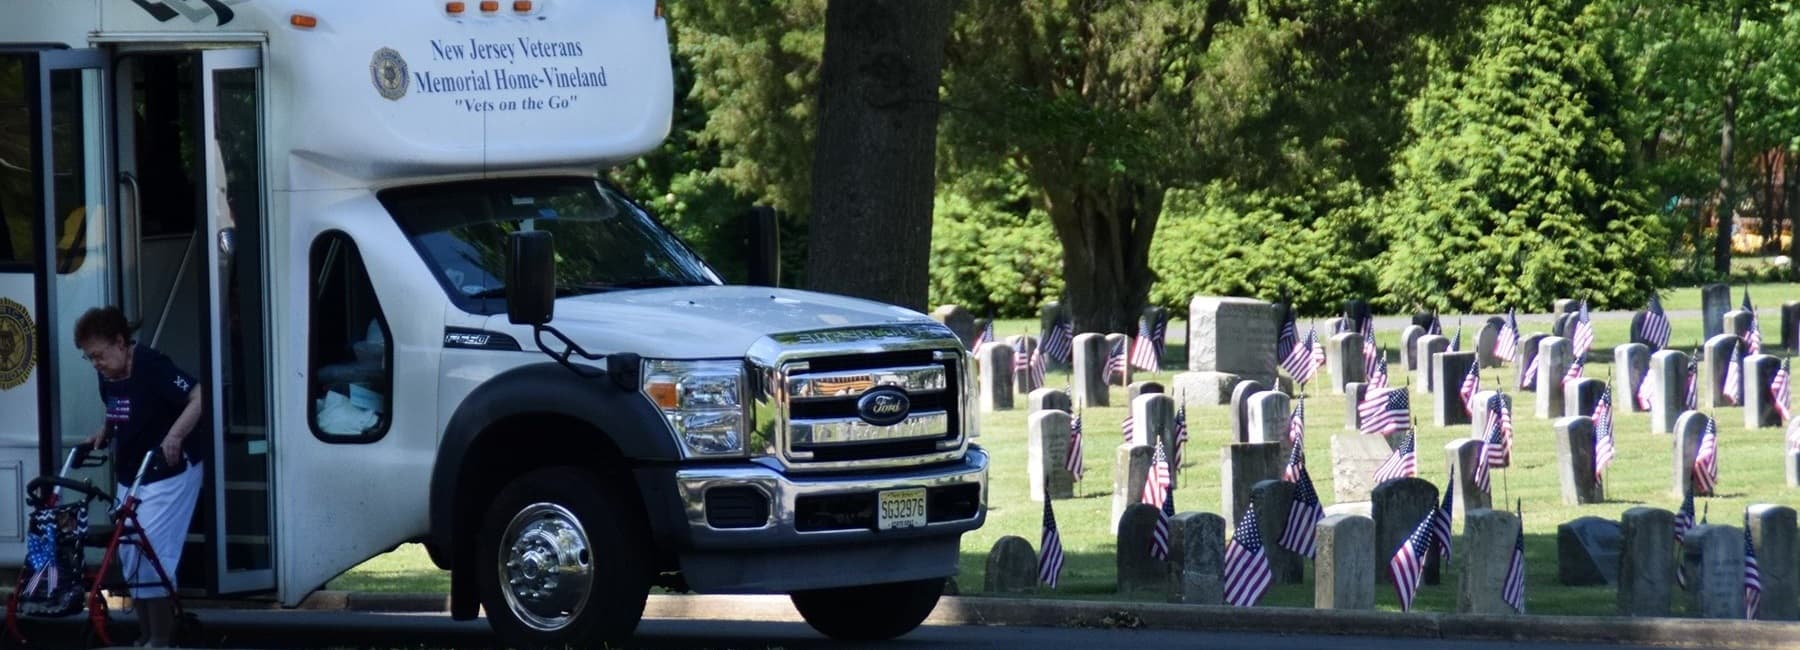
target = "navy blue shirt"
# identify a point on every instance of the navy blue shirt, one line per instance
(141, 408)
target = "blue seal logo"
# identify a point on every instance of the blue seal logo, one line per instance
(387, 70)
(18, 344)
(883, 406)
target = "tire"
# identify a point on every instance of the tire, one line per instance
(869, 613)
(562, 517)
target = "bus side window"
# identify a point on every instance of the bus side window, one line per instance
(351, 363)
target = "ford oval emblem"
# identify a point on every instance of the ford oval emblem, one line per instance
(883, 406)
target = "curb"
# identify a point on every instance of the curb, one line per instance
(1031, 612)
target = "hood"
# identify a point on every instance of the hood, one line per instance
(708, 321)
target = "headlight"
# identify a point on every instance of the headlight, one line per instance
(703, 401)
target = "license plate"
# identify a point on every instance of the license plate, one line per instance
(900, 509)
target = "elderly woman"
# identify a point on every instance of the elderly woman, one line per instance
(151, 405)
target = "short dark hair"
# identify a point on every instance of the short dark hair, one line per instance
(102, 323)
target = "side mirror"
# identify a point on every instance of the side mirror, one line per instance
(764, 256)
(530, 278)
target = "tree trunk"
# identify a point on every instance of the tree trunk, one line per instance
(1106, 234)
(1790, 178)
(1727, 140)
(875, 152)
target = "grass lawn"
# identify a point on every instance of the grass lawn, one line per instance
(1750, 472)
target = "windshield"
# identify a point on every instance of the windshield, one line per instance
(603, 242)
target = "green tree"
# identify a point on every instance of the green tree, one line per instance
(1517, 188)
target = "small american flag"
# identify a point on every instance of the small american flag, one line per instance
(1059, 340)
(1404, 462)
(1050, 553)
(1158, 483)
(1603, 433)
(1693, 384)
(1655, 326)
(1385, 412)
(1116, 363)
(1643, 392)
(1575, 369)
(1456, 341)
(985, 335)
(1181, 434)
(1513, 591)
(1752, 337)
(1023, 353)
(1303, 516)
(1706, 461)
(1376, 371)
(1436, 327)
(1073, 460)
(1480, 475)
(1408, 563)
(1471, 384)
(1146, 350)
(1296, 460)
(1299, 361)
(1780, 391)
(1159, 535)
(1317, 360)
(1297, 425)
(1499, 432)
(1752, 572)
(1440, 521)
(1793, 435)
(1684, 522)
(1528, 374)
(1506, 345)
(1247, 573)
(1287, 339)
(1734, 377)
(1128, 426)
(1037, 368)
(1584, 332)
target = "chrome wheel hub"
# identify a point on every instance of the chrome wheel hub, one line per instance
(546, 570)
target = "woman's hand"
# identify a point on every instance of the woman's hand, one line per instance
(171, 449)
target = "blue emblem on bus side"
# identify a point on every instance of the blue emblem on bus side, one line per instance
(387, 70)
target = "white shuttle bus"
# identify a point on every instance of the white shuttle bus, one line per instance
(378, 234)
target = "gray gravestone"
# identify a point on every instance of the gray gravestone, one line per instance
(1715, 300)
(1478, 420)
(1790, 319)
(1738, 322)
(1554, 357)
(1486, 340)
(1559, 325)
(1688, 428)
(1049, 399)
(1048, 313)
(1242, 466)
(1269, 415)
(959, 320)
(1273, 499)
(1139, 572)
(1718, 588)
(1424, 348)
(1357, 311)
(1398, 506)
(1565, 306)
(1772, 530)
(1234, 336)
(1089, 376)
(1047, 454)
(1353, 396)
(1637, 329)
(1646, 576)
(1024, 347)
(1117, 341)
(1527, 353)
(1131, 468)
(1205, 388)
(1239, 416)
(1012, 567)
(1448, 369)
(1713, 364)
(1631, 368)
(1154, 416)
(1464, 455)
(1759, 400)
(1581, 396)
(1587, 552)
(1354, 459)
(1142, 388)
(1409, 338)
(1668, 396)
(1343, 571)
(1575, 461)
(1486, 549)
(1335, 326)
(1793, 466)
(995, 365)
(1345, 361)
(1202, 536)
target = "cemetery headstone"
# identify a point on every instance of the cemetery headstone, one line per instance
(1559, 325)
(1239, 416)
(1646, 576)
(1343, 571)
(1715, 300)
(1011, 567)
(1357, 312)
(1575, 461)
(1232, 336)
(1205, 388)
(1202, 536)
(1464, 455)
(1138, 388)
(1688, 429)
(1047, 454)
(1425, 347)
(1486, 549)
(959, 320)
(1448, 370)
(1273, 499)
(1631, 368)
(1269, 413)
(1793, 468)
(1717, 591)
(1637, 329)
(1486, 340)
(1565, 306)
(1772, 531)
(1154, 417)
(1354, 459)
(1336, 325)
(1409, 339)
(1581, 396)
(1713, 370)
(1089, 378)
(1139, 572)
(996, 377)
(1790, 320)
(1242, 465)
(1048, 313)
(1345, 362)
(1737, 322)
(1555, 354)
(1121, 342)
(1023, 347)
(1527, 353)
(1353, 396)
(1587, 551)
(1668, 396)
(1759, 400)
(1131, 467)
(1047, 399)
(1398, 506)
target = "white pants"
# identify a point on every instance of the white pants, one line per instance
(164, 510)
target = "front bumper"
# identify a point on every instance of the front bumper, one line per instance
(790, 552)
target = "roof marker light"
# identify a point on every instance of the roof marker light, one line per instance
(490, 6)
(303, 21)
(522, 6)
(454, 8)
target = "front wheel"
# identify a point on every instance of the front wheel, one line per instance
(869, 613)
(562, 562)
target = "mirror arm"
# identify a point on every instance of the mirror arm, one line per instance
(570, 349)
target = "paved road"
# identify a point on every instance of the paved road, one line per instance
(304, 629)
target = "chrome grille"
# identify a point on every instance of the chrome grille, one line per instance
(823, 429)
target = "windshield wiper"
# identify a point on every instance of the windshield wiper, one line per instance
(639, 283)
